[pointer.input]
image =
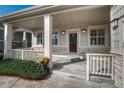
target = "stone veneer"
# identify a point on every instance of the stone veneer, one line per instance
(60, 50)
(81, 51)
(118, 70)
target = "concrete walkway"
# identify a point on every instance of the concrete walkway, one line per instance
(55, 81)
(65, 75)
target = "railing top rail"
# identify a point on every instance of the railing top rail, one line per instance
(98, 54)
(25, 50)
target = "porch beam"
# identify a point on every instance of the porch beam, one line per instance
(48, 37)
(59, 12)
(78, 8)
(8, 35)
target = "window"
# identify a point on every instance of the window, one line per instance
(55, 37)
(29, 39)
(97, 36)
(18, 36)
(40, 38)
(1, 35)
(17, 40)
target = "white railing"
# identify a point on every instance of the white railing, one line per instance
(100, 64)
(24, 54)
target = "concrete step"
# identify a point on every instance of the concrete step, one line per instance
(66, 58)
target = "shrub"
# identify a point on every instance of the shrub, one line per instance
(1, 56)
(22, 68)
(43, 60)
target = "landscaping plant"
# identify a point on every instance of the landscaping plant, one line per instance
(22, 68)
(43, 60)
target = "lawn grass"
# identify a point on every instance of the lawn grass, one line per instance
(22, 68)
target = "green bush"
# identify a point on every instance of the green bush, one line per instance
(22, 68)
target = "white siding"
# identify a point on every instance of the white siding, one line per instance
(117, 34)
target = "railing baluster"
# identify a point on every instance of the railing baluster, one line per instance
(112, 67)
(97, 65)
(104, 67)
(101, 59)
(88, 68)
(22, 54)
(108, 66)
(93, 65)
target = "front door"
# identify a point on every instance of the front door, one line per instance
(73, 42)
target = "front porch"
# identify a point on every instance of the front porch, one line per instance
(65, 32)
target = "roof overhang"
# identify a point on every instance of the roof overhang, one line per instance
(36, 10)
(30, 17)
(42, 10)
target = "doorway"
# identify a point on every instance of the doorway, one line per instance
(73, 42)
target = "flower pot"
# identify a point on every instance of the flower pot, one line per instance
(1, 57)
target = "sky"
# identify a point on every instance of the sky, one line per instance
(7, 9)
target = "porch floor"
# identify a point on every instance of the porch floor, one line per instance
(75, 70)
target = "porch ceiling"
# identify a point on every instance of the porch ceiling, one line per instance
(70, 19)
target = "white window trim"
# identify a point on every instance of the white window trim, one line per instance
(93, 27)
(22, 30)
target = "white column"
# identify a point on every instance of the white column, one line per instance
(24, 40)
(7, 38)
(34, 40)
(48, 37)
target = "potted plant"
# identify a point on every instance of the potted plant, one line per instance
(43, 60)
(1, 56)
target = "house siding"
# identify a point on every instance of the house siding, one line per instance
(83, 45)
(117, 44)
(118, 70)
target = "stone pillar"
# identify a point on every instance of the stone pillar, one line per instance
(48, 37)
(24, 40)
(8, 35)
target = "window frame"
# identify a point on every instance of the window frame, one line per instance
(40, 38)
(43, 39)
(57, 38)
(96, 27)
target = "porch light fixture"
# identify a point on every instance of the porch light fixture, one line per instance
(83, 30)
(63, 32)
(115, 23)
